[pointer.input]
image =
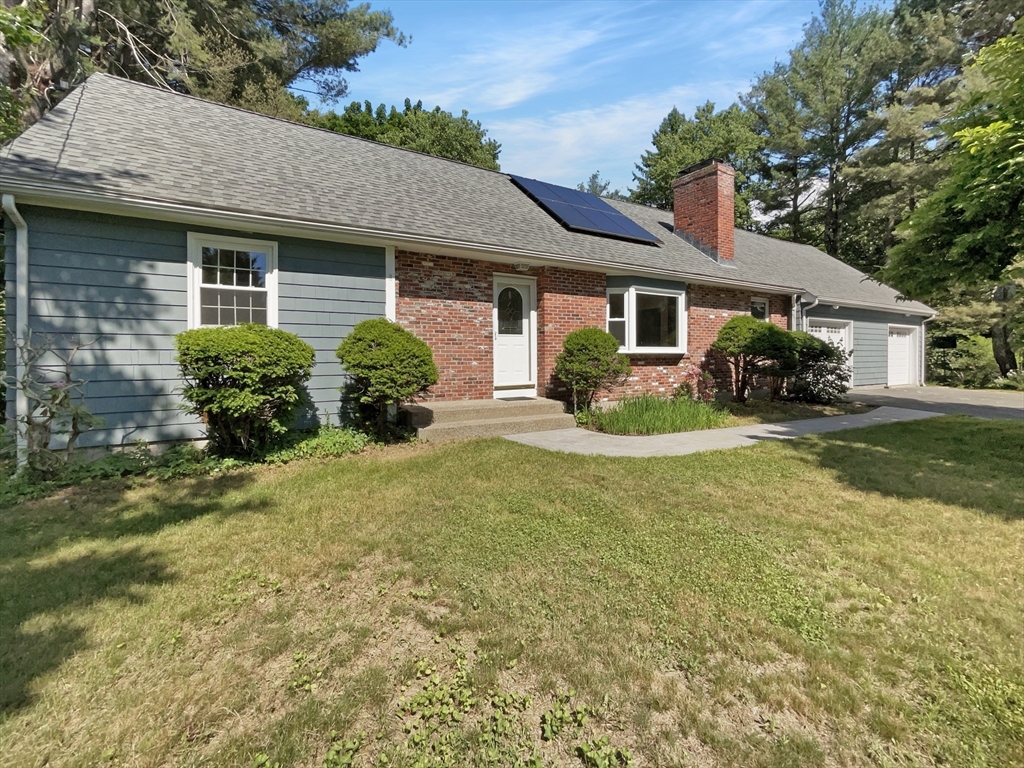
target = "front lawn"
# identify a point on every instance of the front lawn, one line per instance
(851, 599)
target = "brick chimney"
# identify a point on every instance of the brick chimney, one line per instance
(703, 207)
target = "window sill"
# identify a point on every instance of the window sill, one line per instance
(663, 351)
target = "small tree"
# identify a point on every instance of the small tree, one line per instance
(55, 399)
(822, 372)
(389, 365)
(754, 347)
(244, 381)
(589, 362)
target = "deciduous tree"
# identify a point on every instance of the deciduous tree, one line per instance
(434, 132)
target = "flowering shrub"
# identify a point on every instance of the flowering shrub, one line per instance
(699, 385)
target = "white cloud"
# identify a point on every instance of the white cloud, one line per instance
(565, 148)
(554, 49)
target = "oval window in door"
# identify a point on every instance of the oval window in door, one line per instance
(510, 312)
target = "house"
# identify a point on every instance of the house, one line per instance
(134, 213)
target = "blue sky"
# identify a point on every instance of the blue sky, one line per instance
(573, 87)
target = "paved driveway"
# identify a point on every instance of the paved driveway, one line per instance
(986, 403)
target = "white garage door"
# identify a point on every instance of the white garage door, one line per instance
(901, 360)
(834, 333)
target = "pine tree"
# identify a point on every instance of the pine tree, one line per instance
(681, 142)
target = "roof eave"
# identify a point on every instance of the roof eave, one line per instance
(927, 312)
(39, 192)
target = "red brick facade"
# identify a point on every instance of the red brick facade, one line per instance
(448, 302)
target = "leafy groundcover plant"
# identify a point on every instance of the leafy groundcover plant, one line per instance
(185, 460)
(652, 415)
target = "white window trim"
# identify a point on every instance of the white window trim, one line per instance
(630, 302)
(196, 242)
(767, 307)
(846, 325)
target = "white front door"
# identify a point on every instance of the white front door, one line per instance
(900, 356)
(514, 313)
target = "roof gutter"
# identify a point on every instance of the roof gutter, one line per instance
(42, 193)
(20, 320)
(868, 305)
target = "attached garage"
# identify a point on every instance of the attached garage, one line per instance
(885, 347)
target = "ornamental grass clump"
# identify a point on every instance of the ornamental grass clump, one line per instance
(245, 382)
(652, 415)
(389, 366)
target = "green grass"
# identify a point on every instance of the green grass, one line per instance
(773, 411)
(652, 415)
(849, 599)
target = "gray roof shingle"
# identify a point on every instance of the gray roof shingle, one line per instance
(118, 137)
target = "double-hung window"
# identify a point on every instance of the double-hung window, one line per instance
(647, 320)
(231, 281)
(759, 309)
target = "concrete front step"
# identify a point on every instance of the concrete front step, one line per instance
(456, 411)
(455, 419)
(460, 430)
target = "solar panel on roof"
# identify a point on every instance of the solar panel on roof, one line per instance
(583, 211)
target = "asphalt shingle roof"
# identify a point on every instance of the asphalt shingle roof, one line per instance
(117, 137)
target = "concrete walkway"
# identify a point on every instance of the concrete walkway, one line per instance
(681, 443)
(984, 403)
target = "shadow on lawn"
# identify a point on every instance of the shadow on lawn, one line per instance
(971, 463)
(38, 586)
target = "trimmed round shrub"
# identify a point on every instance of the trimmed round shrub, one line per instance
(822, 371)
(589, 362)
(755, 347)
(388, 364)
(245, 382)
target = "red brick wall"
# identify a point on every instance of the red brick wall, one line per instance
(448, 303)
(568, 299)
(710, 309)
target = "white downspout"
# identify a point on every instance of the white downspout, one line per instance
(807, 309)
(923, 354)
(21, 315)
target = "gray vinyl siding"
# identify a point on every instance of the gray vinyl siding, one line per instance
(870, 338)
(123, 281)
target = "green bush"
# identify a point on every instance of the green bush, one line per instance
(245, 382)
(652, 415)
(1014, 380)
(389, 365)
(754, 347)
(968, 363)
(589, 362)
(822, 372)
